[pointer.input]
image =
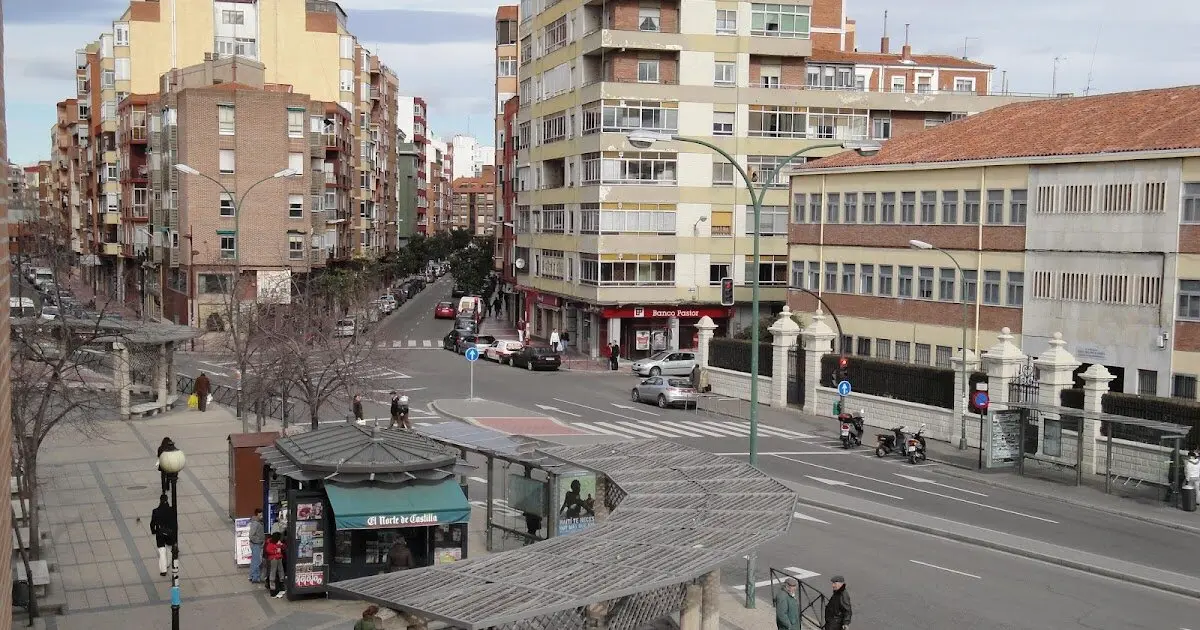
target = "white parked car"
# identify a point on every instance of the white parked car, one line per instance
(389, 302)
(345, 328)
(502, 350)
(671, 362)
(49, 313)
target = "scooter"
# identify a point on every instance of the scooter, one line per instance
(852, 428)
(914, 446)
(885, 443)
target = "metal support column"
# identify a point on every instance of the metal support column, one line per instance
(710, 607)
(489, 507)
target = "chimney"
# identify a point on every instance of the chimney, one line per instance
(884, 42)
(906, 50)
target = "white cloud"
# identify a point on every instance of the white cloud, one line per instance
(477, 7)
(455, 79)
(39, 61)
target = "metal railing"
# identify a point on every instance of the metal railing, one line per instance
(268, 406)
(812, 600)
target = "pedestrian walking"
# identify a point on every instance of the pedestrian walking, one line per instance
(787, 606)
(357, 409)
(165, 529)
(614, 353)
(521, 330)
(203, 387)
(257, 538)
(487, 308)
(554, 340)
(166, 445)
(400, 557)
(273, 550)
(1191, 468)
(564, 341)
(497, 305)
(399, 413)
(370, 620)
(837, 608)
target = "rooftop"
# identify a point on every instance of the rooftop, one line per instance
(896, 59)
(1149, 120)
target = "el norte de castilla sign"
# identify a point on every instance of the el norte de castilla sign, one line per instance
(402, 520)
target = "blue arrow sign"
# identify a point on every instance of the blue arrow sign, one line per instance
(844, 388)
(472, 354)
(981, 400)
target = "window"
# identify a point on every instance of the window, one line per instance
(888, 213)
(346, 79)
(628, 115)
(726, 22)
(295, 206)
(770, 121)
(1191, 202)
(211, 283)
(772, 270)
(883, 349)
(717, 272)
(867, 280)
(925, 283)
(971, 207)
(868, 208)
(863, 347)
(346, 47)
(921, 355)
(120, 34)
(881, 128)
(850, 208)
(1183, 386)
(226, 205)
(969, 281)
(555, 35)
(647, 71)
(841, 124)
(942, 356)
(764, 167)
(773, 221)
(775, 20)
(629, 167)
(295, 122)
(995, 207)
(627, 269)
(506, 67)
(107, 79)
(770, 76)
(898, 84)
(723, 123)
(903, 349)
(296, 162)
(725, 74)
(1147, 383)
(227, 161)
(833, 207)
(723, 174)
(233, 17)
(946, 278)
(554, 128)
(649, 17)
(885, 280)
(1189, 299)
(814, 276)
(111, 173)
(121, 66)
(991, 287)
(797, 273)
(904, 288)
(950, 207)
(1018, 206)
(831, 276)
(228, 244)
(908, 207)
(964, 84)
(1015, 288)
(225, 119)
(295, 246)
(928, 207)
(848, 277)
(526, 49)
(612, 218)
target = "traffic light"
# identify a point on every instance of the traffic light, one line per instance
(726, 291)
(843, 369)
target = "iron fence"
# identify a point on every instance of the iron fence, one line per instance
(795, 383)
(1071, 397)
(734, 354)
(811, 599)
(265, 406)
(1184, 413)
(1026, 386)
(921, 384)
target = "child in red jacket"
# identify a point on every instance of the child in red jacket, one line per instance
(273, 552)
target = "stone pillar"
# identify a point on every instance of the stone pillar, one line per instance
(783, 337)
(1056, 369)
(673, 333)
(689, 614)
(710, 606)
(817, 338)
(706, 329)
(121, 378)
(160, 375)
(593, 335)
(963, 397)
(1095, 385)
(1002, 362)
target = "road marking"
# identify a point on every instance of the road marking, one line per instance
(679, 426)
(726, 429)
(396, 343)
(934, 566)
(796, 572)
(595, 429)
(626, 429)
(412, 343)
(497, 507)
(611, 413)
(935, 483)
(427, 344)
(805, 517)
(648, 428)
(929, 492)
(834, 482)
(619, 406)
(477, 479)
(424, 424)
(549, 408)
(777, 432)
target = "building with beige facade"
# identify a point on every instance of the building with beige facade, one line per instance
(507, 19)
(1059, 218)
(6, 433)
(628, 245)
(474, 203)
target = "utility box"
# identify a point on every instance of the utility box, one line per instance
(246, 472)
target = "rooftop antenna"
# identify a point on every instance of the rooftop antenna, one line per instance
(1054, 75)
(1092, 65)
(967, 40)
(906, 25)
(885, 22)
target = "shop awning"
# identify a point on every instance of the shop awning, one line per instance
(411, 505)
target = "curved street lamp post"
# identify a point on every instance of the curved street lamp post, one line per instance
(171, 463)
(962, 368)
(643, 140)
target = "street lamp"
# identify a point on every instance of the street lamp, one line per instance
(171, 463)
(917, 244)
(237, 266)
(644, 140)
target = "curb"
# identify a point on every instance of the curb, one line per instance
(438, 408)
(1069, 500)
(1084, 567)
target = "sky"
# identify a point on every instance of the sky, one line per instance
(443, 50)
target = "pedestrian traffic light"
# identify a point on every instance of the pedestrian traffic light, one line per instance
(843, 370)
(726, 291)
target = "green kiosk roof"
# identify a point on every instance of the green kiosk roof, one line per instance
(412, 505)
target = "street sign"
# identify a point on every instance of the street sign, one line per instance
(981, 400)
(844, 388)
(472, 354)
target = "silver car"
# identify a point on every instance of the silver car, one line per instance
(665, 392)
(673, 362)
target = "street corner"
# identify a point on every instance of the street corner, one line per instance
(532, 426)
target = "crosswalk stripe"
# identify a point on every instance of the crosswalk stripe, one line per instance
(773, 431)
(626, 430)
(412, 343)
(645, 426)
(695, 429)
(791, 434)
(427, 343)
(727, 428)
(660, 426)
(596, 429)
(396, 344)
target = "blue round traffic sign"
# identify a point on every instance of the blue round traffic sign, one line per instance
(981, 400)
(844, 388)
(472, 354)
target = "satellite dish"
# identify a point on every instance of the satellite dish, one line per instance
(520, 263)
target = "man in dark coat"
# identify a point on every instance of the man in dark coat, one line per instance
(837, 608)
(614, 352)
(400, 558)
(165, 530)
(203, 387)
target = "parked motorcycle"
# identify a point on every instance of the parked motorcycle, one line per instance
(852, 428)
(915, 446)
(886, 443)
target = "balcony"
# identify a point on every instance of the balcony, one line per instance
(138, 135)
(854, 97)
(112, 218)
(608, 39)
(111, 249)
(375, 93)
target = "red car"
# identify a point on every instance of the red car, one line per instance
(444, 310)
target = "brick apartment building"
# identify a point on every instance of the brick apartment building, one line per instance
(474, 203)
(1060, 220)
(6, 444)
(506, 169)
(507, 21)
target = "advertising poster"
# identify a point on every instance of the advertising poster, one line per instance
(526, 495)
(642, 339)
(241, 542)
(658, 340)
(577, 502)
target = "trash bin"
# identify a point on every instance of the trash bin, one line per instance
(1187, 502)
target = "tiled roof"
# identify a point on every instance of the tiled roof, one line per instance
(507, 12)
(1150, 120)
(894, 59)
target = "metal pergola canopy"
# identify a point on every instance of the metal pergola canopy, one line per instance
(517, 449)
(685, 513)
(354, 454)
(111, 329)
(1167, 428)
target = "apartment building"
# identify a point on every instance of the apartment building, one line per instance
(474, 203)
(413, 116)
(507, 20)
(21, 237)
(1060, 220)
(408, 157)
(506, 170)
(6, 444)
(440, 168)
(303, 47)
(63, 180)
(470, 157)
(220, 118)
(630, 245)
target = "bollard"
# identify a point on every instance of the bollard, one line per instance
(1187, 502)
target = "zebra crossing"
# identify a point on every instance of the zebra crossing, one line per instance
(700, 429)
(408, 344)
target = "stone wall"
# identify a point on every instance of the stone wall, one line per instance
(884, 414)
(737, 384)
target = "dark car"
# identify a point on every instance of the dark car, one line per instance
(536, 358)
(466, 323)
(467, 341)
(450, 341)
(457, 292)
